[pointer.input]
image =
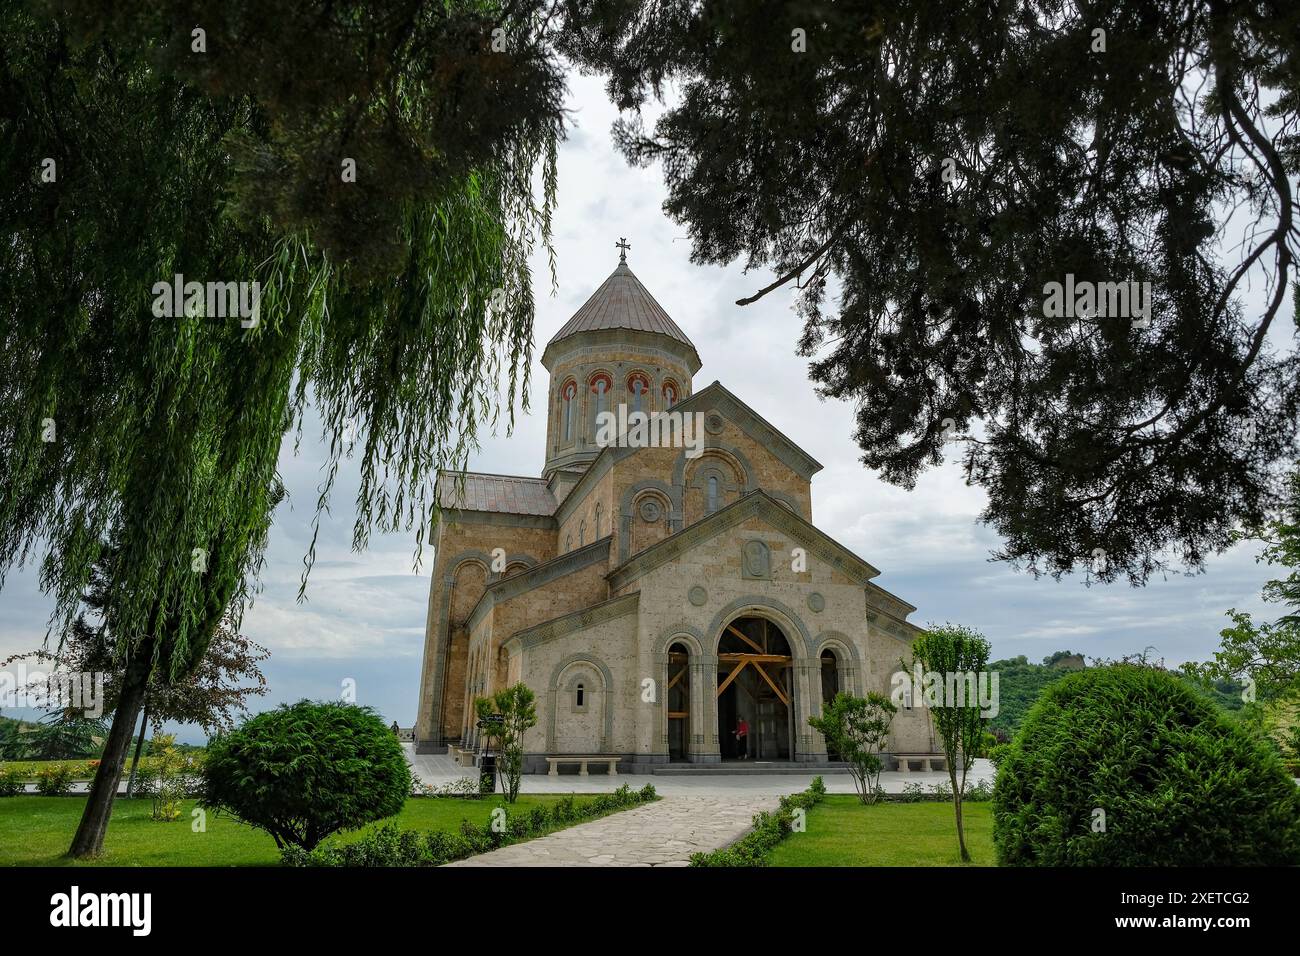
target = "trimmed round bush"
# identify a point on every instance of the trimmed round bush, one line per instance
(307, 770)
(1178, 783)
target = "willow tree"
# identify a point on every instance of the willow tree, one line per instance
(400, 310)
(926, 180)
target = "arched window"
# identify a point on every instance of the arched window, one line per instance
(670, 393)
(568, 542)
(582, 533)
(600, 387)
(567, 396)
(597, 538)
(638, 385)
(713, 494)
(579, 696)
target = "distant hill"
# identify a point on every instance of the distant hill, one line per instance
(1020, 683)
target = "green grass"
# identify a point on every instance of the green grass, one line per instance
(843, 832)
(38, 830)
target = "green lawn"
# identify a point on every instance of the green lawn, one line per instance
(843, 832)
(36, 831)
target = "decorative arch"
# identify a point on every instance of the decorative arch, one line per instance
(788, 500)
(730, 464)
(639, 375)
(630, 502)
(568, 395)
(600, 392)
(553, 692)
(671, 392)
(848, 659)
(702, 671)
(683, 633)
(839, 644)
(755, 605)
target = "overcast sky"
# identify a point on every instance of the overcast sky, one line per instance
(365, 613)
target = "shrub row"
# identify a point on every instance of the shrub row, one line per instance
(11, 782)
(981, 792)
(769, 830)
(389, 846)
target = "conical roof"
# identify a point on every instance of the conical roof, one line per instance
(622, 302)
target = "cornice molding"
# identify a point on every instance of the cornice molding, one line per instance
(755, 504)
(535, 577)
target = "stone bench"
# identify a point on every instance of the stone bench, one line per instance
(582, 760)
(905, 761)
(463, 757)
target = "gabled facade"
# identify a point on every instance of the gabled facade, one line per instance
(652, 597)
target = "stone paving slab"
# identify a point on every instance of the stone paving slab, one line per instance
(664, 833)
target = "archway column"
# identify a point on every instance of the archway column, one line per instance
(704, 702)
(809, 744)
(660, 746)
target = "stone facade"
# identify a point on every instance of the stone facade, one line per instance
(624, 585)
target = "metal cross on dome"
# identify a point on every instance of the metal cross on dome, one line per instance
(623, 245)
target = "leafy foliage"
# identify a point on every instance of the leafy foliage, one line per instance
(11, 782)
(159, 437)
(1266, 653)
(64, 735)
(307, 770)
(1178, 782)
(516, 706)
(54, 780)
(857, 728)
(923, 171)
(955, 649)
(213, 695)
(168, 773)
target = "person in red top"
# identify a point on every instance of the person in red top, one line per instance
(742, 739)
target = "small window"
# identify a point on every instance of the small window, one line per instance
(582, 533)
(580, 696)
(637, 385)
(713, 494)
(597, 538)
(570, 391)
(601, 387)
(907, 698)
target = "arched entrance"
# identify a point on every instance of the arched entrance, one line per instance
(830, 687)
(755, 681)
(678, 692)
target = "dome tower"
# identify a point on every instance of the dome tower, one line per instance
(620, 348)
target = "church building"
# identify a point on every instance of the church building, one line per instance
(653, 594)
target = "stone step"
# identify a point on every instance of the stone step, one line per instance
(749, 768)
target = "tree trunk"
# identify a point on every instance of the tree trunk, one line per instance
(89, 840)
(956, 805)
(139, 745)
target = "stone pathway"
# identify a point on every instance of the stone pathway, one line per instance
(664, 833)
